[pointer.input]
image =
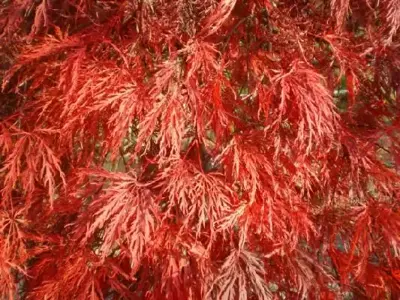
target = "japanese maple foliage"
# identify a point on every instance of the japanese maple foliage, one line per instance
(200, 149)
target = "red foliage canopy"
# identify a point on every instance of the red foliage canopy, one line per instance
(200, 149)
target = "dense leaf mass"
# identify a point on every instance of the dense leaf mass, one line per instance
(200, 149)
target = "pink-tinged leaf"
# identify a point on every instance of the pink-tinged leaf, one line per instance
(241, 276)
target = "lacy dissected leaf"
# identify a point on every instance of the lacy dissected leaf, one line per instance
(393, 18)
(247, 165)
(306, 104)
(31, 160)
(125, 212)
(241, 275)
(198, 199)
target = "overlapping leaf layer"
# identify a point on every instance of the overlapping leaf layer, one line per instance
(200, 149)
